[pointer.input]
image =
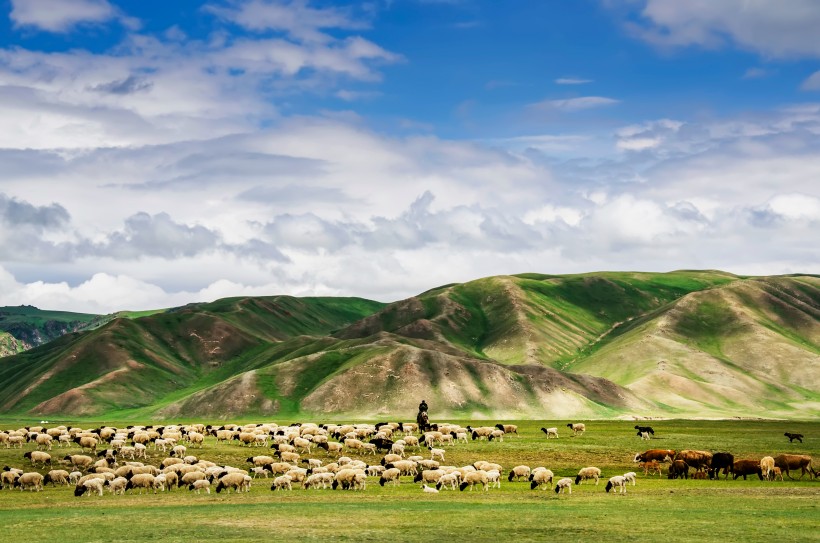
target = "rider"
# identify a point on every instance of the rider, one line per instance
(423, 406)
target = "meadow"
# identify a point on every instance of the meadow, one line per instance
(656, 508)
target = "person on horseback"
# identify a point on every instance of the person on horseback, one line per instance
(422, 419)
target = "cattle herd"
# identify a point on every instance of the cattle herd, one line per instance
(314, 456)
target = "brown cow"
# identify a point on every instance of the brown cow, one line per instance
(787, 462)
(747, 467)
(696, 459)
(660, 455)
(678, 468)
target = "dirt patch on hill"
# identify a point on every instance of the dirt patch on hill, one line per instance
(237, 396)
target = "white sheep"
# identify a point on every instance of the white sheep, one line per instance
(494, 477)
(203, 484)
(630, 477)
(117, 485)
(390, 475)
(564, 485)
(283, 482)
(449, 480)
(31, 480)
(436, 453)
(91, 485)
(551, 432)
(617, 481)
(473, 478)
(645, 436)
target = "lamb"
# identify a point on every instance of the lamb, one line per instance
(496, 434)
(429, 489)
(630, 477)
(38, 456)
(494, 477)
(200, 485)
(436, 453)
(317, 479)
(449, 480)
(91, 485)
(617, 481)
(74, 476)
(374, 471)
(588, 473)
(518, 472)
(540, 476)
(282, 482)
(564, 485)
(577, 428)
(551, 432)
(31, 480)
(767, 467)
(258, 470)
(645, 436)
(473, 478)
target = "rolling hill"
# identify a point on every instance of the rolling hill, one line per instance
(24, 327)
(687, 343)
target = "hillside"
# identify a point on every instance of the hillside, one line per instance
(687, 343)
(24, 327)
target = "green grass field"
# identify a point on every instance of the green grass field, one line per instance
(655, 509)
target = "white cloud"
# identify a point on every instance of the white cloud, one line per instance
(772, 29)
(572, 81)
(812, 82)
(64, 15)
(574, 104)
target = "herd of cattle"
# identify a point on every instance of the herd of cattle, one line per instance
(118, 459)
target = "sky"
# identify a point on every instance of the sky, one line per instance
(157, 153)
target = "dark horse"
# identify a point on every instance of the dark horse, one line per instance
(423, 421)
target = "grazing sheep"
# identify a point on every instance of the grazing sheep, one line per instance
(31, 480)
(494, 477)
(473, 478)
(87, 442)
(588, 473)
(431, 476)
(645, 436)
(349, 479)
(79, 461)
(117, 485)
(282, 482)
(496, 434)
(540, 476)
(235, 481)
(429, 489)
(192, 477)
(449, 480)
(767, 467)
(564, 485)
(577, 428)
(518, 472)
(630, 477)
(44, 441)
(38, 456)
(617, 481)
(258, 470)
(331, 447)
(508, 429)
(91, 485)
(200, 485)
(436, 453)
(260, 460)
(551, 432)
(792, 437)
(74, 476)
(142, 481)
(56, 476)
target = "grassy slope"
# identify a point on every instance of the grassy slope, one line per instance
(751, 346)
(679, 510)
(129, 363)
(32, 326)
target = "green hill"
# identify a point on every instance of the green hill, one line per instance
(23, 327)
(686, 343)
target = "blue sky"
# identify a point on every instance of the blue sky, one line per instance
(153, 155)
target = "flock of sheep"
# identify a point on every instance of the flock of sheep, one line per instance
(118, 459)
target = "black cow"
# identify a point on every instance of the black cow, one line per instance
(721, 460)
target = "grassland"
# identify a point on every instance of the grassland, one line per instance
(656, 509)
